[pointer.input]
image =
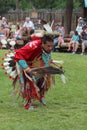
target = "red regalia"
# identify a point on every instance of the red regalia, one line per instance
(32, 54)
(32, 86)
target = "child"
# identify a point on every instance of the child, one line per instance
(60, 41)
(74, 43)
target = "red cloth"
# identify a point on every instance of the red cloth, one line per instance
(35, 38)
(29, 51)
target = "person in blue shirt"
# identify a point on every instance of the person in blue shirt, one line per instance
(74, 43)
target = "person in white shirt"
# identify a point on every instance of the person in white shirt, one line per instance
(79, 29)
(28, 25)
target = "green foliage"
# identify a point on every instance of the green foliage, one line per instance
(38, 4)
(6, 5)
(49, 4)
(78, 4)
(54, 4)
(24, 4)
(66, 103)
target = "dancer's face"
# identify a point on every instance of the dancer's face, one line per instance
(48, 46)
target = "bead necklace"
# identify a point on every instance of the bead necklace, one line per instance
(46, 58)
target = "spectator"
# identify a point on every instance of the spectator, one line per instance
(61, 29)
(84, 39)
(81, 21)
(55, 39)
(17, 33)
(79, 29)
(29, 25)
(74, 43)
(60, 41)
(3, 36)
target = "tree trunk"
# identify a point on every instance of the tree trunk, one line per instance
(68, 16)
(17, 9)
(17, 4)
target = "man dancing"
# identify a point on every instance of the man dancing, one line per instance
(34, 69)
(35, 54)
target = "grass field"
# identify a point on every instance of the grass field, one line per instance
(66, 103)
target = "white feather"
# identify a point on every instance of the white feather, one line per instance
(18, 68)
(63, 78)
(13, 74)
(58, 61)
(10, 54)
(7, 59)
(38, 34)
(9, 70)
(6, 63)
(7, 67)
(48, 28)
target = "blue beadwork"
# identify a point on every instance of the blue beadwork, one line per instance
(46, 58)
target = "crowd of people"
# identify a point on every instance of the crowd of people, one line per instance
(78, 37)
(10, 32)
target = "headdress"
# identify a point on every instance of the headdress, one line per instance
(47, 30)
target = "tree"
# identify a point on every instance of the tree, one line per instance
(68, 15)
(17, 4)
(5, 5)
(70, 5)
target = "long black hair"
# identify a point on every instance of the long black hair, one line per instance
(47, 38)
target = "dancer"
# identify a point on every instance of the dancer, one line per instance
(34, 69)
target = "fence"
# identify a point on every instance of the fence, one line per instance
(48, 15)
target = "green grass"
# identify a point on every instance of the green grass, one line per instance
(66, 103)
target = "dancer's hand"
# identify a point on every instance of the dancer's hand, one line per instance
(28, 69)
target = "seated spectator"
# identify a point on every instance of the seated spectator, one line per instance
(7, 28)
(74, 43)
(3, 36)
(55, 39)
(79, 29)
(3, 20)
(28, 24)
(17, 35)
(61, 29)
(84, 39)
(60, 41)
(2, 31)
(81, 21)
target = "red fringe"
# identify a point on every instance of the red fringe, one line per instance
(6, 54)
(6, 73)
(3, 58)
(2, 65)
